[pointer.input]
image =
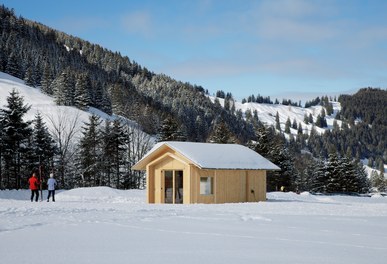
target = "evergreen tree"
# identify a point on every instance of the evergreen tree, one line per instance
(318, 181)
(334, 174)
(306, 119)
(16, 134)
(273, 147)
(46, 80)
(1, 149)
(319, 122)
(90, 151)
(299, 129)
(43, 145)
(107, 156)
(378, 181)
(277, 122)
(13, 66)
(294, 124)
(287, 126)
(63, 89)
(221, 134)
(119, 140)
(82, 88)
(29, 78)
(170, 131)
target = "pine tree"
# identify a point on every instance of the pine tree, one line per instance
(13, 66)
(294, 124)
(378, 181)
(107, 154)
(334, 172)
(277, 122)
(299, 129)
(82, 88)
(16, 134)
(119, 140)
(46, 81)
(1, 149)
(113, 141)
(280, 155)
(90, 152)
(63, 89)
(29, 78)
(306, 119)
(43, 145)
(221, 134)
(318, 180)
(170, 131)
(287, 126)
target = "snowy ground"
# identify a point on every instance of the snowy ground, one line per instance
(103, 225)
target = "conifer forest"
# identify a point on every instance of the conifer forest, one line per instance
(80, 74)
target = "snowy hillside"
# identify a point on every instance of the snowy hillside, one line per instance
(103, 225)
(267, 113)
(39, 102)
(44, 104)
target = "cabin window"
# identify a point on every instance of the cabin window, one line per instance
(206, 185)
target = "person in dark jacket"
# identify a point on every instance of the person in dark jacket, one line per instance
(34, 187)
(51, 184)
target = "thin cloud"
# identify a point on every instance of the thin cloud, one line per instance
(139, 22)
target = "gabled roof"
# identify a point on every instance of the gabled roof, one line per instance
(213, 156)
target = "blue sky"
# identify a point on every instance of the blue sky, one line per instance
(273, 47)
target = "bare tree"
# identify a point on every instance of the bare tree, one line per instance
(138, 145)
(64, 127)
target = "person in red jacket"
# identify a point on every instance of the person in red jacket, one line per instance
(34, 187)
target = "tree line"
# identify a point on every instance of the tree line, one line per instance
(102, 156)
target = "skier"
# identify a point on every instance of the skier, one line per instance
(34, 187)
(51, 184)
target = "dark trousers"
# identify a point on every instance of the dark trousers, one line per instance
(49, 195)
(34, 192)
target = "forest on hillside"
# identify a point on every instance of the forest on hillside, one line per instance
(78, 73)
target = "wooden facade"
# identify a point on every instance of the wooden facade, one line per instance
(172, 177)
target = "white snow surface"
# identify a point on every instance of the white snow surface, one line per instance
(218, 156)
(267, 113)
(104, 225)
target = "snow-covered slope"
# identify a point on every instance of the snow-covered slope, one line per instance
(267, 113)
(103, 225)
(45, 104)
(39, 102)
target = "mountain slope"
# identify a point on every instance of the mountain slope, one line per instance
(267, 114)
(59, 64)
(43, 104)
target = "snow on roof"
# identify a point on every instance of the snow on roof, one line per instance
(218, 156)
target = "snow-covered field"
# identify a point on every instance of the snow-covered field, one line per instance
(103, 225)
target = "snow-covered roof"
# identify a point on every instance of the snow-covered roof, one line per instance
(216, 156)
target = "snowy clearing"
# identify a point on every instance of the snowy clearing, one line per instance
(103, 225)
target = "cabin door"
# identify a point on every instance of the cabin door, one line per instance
(173, 186)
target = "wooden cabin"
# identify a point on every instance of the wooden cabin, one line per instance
(186, 172)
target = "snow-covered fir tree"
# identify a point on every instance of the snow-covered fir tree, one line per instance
(43, 145)
(170, 131)
(221, 134)
(15, 136)
(81, 93)
(90, 153)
